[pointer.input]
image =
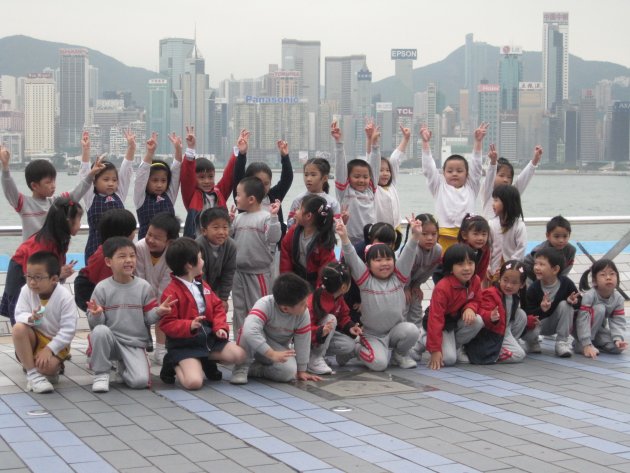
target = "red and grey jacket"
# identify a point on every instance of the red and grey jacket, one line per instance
(316, 258)
(329, 305)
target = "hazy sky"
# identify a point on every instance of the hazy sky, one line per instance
(241, 37)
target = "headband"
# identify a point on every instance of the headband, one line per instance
(159, 165)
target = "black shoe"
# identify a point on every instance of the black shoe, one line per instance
(167, 373)
(210, 369)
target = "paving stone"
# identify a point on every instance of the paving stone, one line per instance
(577, 464)
(105, 443)
(176, 413)
(134, 410)
(273, 468)
(460, 425)
(403, 466)
(195, 426)
(262, 421)
(153, 423)
(198, 451)
(77, 454)
(301, 461)
(533, 465)
(595, 456)
(238, 409)
(351, 464)
(290, 434)
(94, 407)
(86, 429)
(477, 460)
(10, 460)
(125, 459)
(150, 447)
(272, 445)
(177, 463)
(436, 445)
(60, 439)
(128, 433)
(48, 465)
(32, 449)
(248, 457)
(218, 441)
(225, 465)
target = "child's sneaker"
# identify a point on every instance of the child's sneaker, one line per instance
(210, 369)
(239, 374)
(39, 384)
(417, 350)
(101, 383)
(403, 361)
(167, 373)
(462, 357)
(533, 346)
(158, 354)
(318, 366)
(563, 349)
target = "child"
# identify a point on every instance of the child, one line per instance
(199, 191)
(509, 235)
(151, 264)
(601, 322)
(551, 298)
(40, 177)
(382, 280)
(157, 184)
(355, 187)
(46, 320)
(504, 321)
(121, 307)
(62, 222)
(109, 191)
(558, 234)
(456, 190)
(501, 172)
(255, 232)
(453, 317)
(316, 171)
(310, 244)
(274, 323)
(114, 222)
(332, 330)
(196, 327)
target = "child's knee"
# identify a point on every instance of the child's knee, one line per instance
(20, 331)
(449, 359)
(139, 382)
(379, 364)
(284, 373)
(98, 332)
(192, 383)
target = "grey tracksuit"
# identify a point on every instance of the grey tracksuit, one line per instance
(601, 321)
(219, 265)
(422, 269)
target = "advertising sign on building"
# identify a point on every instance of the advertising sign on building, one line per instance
(383, 106)
(404, 54)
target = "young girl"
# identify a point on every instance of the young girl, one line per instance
(63, 221)
(316, 171)
(110, 188)
(601, 324)
(382, 280)
(310, 244)
(504, 320)
(507, 229)
(333, 331)
(355, 186)
(157, 185)
(452, 319)
(456, 190)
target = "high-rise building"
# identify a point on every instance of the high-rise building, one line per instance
(158, 113)
(328, 109)
(39, 114)
(433, 119)
(10, 119)
(619, 148)
(464, 110)
(304, 56)
(589, 142)
(363, 106)
(510, 75)
(475, 65)
(385, 119)
(174, 54)
(12, 141)
(195, 98)
(508, 134)
(73, 96)
(571, 136)
(489, 112)
(555, 58)
(94, 85)
(531, 99)
(96, 139)
(403, 62)
(218, 126)
(342, 81)
(8, 90)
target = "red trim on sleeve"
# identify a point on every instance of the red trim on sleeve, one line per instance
(260, 314)
(20, 202)
(363, 277)
(302, 330)
(150, 306)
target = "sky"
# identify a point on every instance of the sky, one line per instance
(242, 37)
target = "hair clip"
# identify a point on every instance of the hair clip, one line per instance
(70, 202)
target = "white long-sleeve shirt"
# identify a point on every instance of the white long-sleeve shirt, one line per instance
(142, 178)
(124, 180)
(520, 182)
(386, 200)
(507, 245)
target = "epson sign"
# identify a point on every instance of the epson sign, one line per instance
(404, 54)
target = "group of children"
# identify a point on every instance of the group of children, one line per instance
(294, 304)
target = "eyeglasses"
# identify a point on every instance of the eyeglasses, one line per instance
(36, 278)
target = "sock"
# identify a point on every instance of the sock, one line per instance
(160, 346)
(32, 373)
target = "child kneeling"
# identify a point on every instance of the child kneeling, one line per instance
(196, 328)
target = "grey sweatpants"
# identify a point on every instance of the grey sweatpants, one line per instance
(106, 348)
(558, 323)
(318, 351)
(454, 339)
(280, 372)
(598, 329)
(401, 338)
(511, 350)
(246, 290)
(413, 312)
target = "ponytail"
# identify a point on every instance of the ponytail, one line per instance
(323, 219)
(333, 276)
(57, 227)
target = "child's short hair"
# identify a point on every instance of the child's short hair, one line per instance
(290, 289)
(168, 222)
(378, 250)
(558, 221)
(475, 223)
(107, 166)
(48, 260)
(456, 157)
(256, 167)
(502, 162)
(215, 213)
(203, 165)
(598, 266)
(391, 175)
(181, 252)
(554, 256)
(383, 232)
(37, 170)
(252, 186)
(458, 253)
(160, 165)
(112, 245)
(324, 168)
(359, 163)
(516, 265)
(116, 223)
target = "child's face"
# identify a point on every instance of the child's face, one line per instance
(205, 181)
(243, 201)
(464, 271)
(313, 178)
(123, 262)
(382, 267)
(302, 217)
(543, 269)
(384, 174)
(476, 239)
(156, 240)
(504, 176)
(359, 178)
(217, 231)
(497, 206)
(297, 309)
(158, 183)
(510, 282)
(266, 180)
(45, 187)
(197, 270)
(455, 173)
(606, 280)
(38, 279)
(558, 237)
(107, 182)
(429, 236)
(75, 224)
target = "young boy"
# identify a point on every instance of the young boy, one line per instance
(558, 234)
(151, 264)
(40, 177)
(121, 308)
(272, 325)
(551, 298)
(196, 327)
(46, 320)
(255, 233)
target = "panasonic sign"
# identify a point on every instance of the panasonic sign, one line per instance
(254, 99)
(404, 54)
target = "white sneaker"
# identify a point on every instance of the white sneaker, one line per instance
(39, 384)
(101, 383)
(533, 346)
(462, 357)
(318, 366)
(563, 349)
(239, 374)
(342, 360)
(403, 361)
(417, 351)
(158, 354)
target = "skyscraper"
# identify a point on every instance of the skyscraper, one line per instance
(342, 81)
(158, 113)
(174, 53)
(619, 148)
(39, 114)
(489, 112)
(433, 119)
(589, 143)
(195, 98)
(304, 56)
(403, 60)
(94, 85)
(510, 75)
(555, 58)
(73, 96)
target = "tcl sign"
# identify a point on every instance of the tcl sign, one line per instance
(404, 111)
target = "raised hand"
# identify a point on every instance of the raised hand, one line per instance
(494, 315)
(345, 214)
(480, 133)
(152, 144)
(85, 141)
(406, 132)
(416, 227)
(492, 154)
(5, 157)
(341, 230)
(243, 141)
(369, 128)
(274, 208)
(376, 135)
(191, 141)
(166, 305)
(425, 134)
(176, 141)
(538, 152)
(131, 138)
(67, 270)
(99, 165)
(335, 132)
(283, 147)
(573, 298)
(545, 304)
(94, 309)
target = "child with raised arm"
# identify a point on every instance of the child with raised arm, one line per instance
(355, 186)
(110, 188)
(157, 184)
(40, 177)
(456, 190)
(273, 324)
(558, 234)
(46, 320)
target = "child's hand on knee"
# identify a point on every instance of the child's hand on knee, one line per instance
(280, 356)
(44, 359)
(469, 316)
(436, 362)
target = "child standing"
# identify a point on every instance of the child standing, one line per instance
(456, 190)
(558, 235)
(310, 244)
(601, 322)
(121, 308)
(507, 229)
(157, 184)
(196, 326)
(46, 320)
(272, 325)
